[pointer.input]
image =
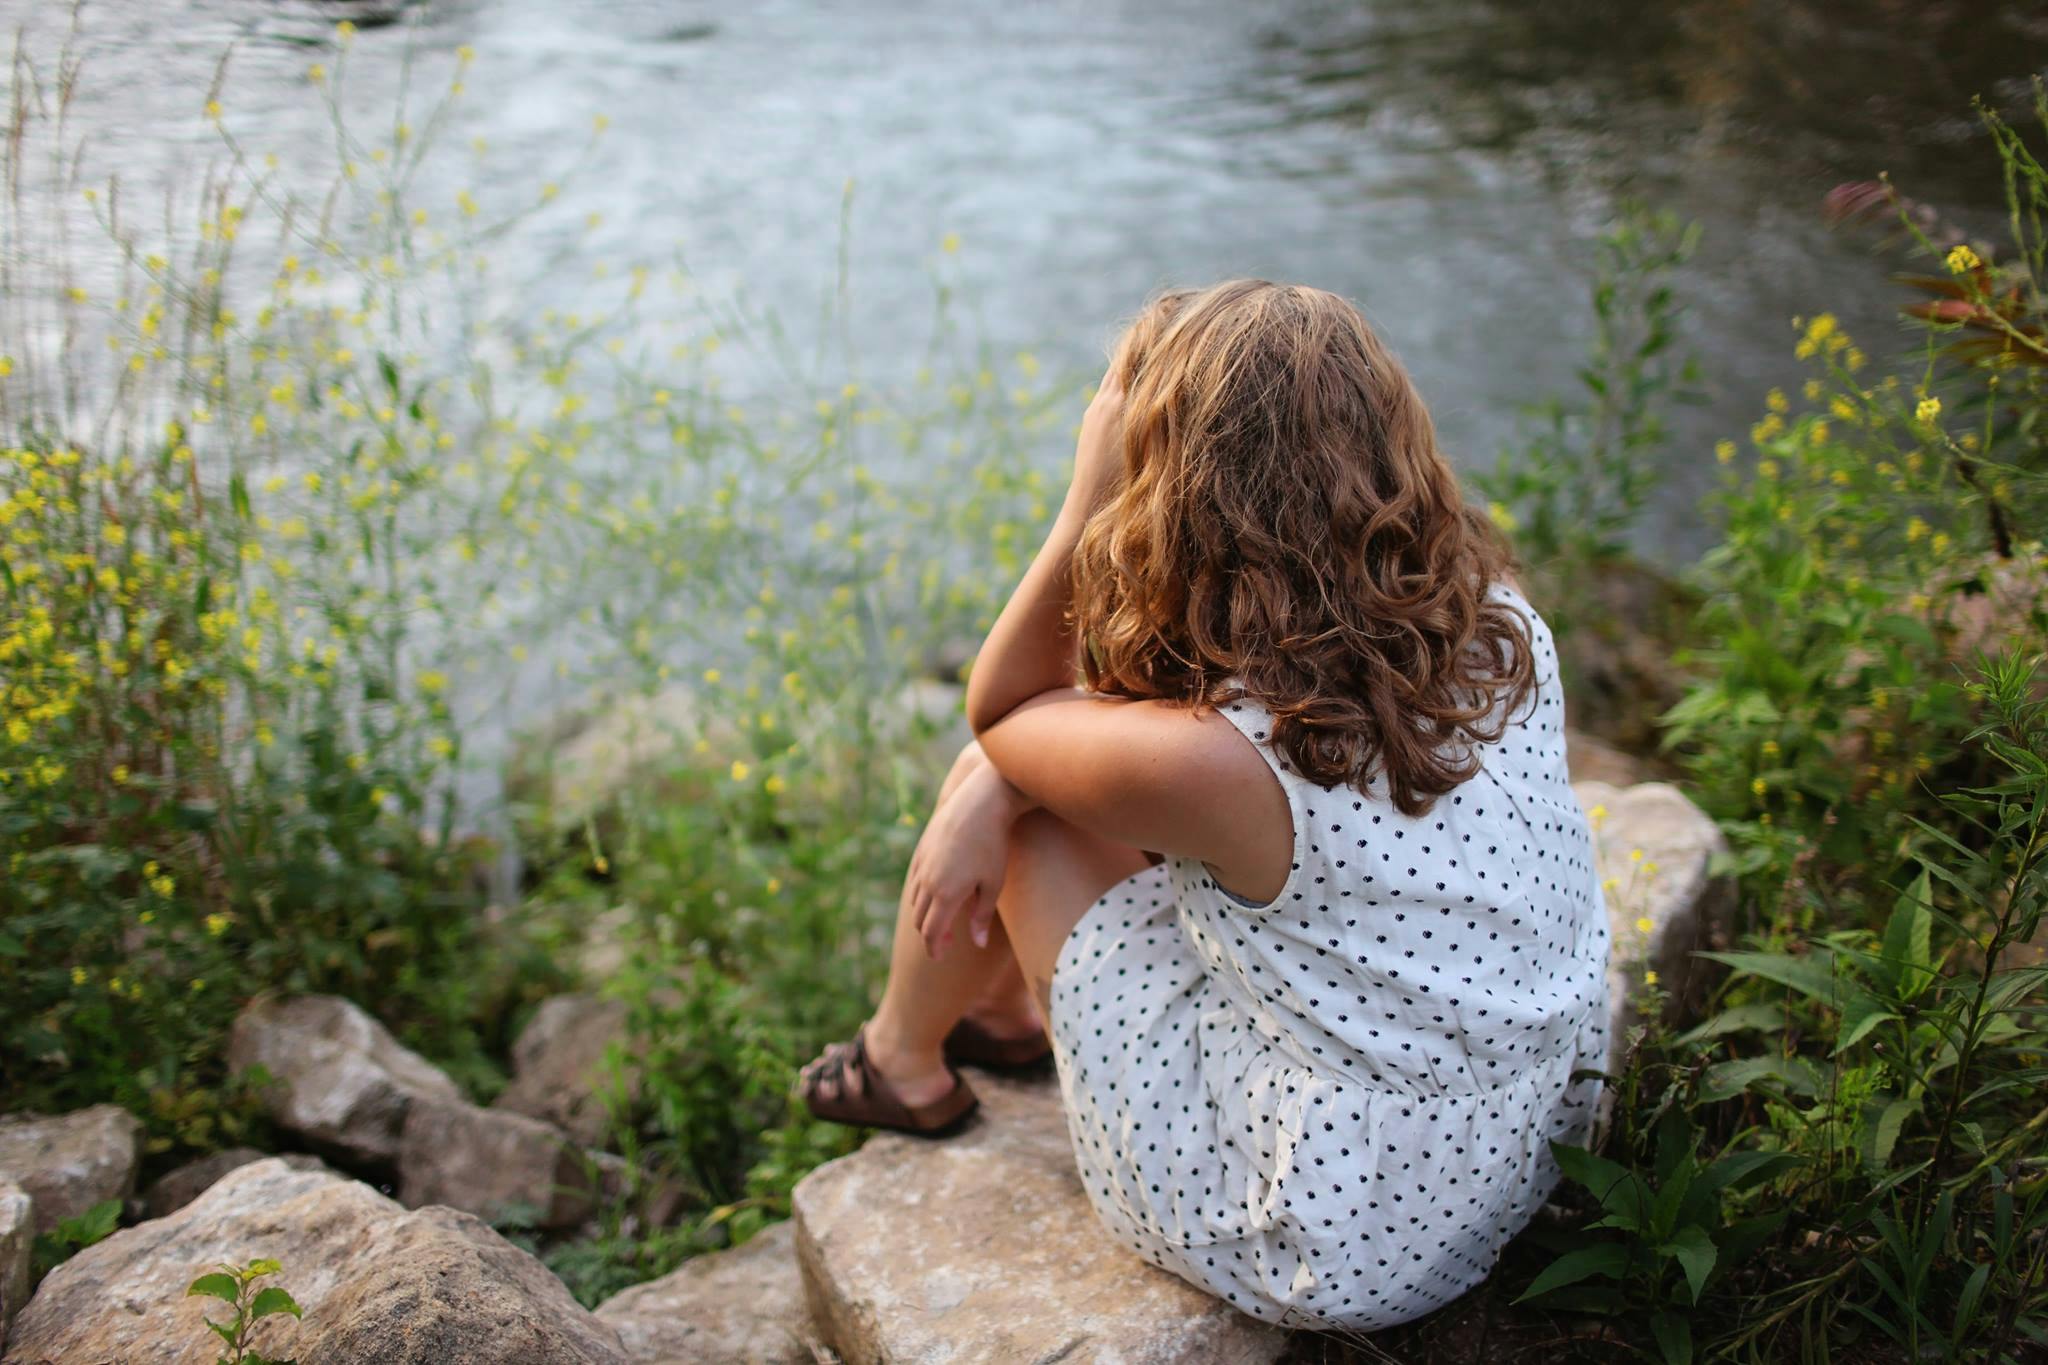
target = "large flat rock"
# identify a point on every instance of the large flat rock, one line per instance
(739, 1307)
(377, 1283)
(67, 1163)
(983, 1247)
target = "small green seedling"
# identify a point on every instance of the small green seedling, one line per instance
(236, 1287)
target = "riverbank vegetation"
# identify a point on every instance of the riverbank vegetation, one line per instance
(296, 523)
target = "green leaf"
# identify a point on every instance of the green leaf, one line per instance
(220, 1286)
(260, 1267)
(1739, 1170)
(1695, 1253)
(1607, 1259)
(1882, 1135)
(273, 1300)
(1860, 1014)
(1765, 1015)
(1740, 1240)
(1674, 1337)
(1726, 1080)
(1812, 975)
(1907, 939)
(1618, 1189)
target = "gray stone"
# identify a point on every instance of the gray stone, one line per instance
(69, 1162)
(17, 1251)
(559, 1071)
(497, 1165)
(1654, 850)
(984, 1247)
(341, 1081)
(739, 1307)
(376, 1283)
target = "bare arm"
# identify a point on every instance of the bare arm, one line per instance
(1030, 649)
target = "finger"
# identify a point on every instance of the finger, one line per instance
(936, 925)
(984, 915)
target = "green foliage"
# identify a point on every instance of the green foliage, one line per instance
(236, 1286)
(1572, 489)
(1869, 723)
(1661, 1237)
(73, 1235)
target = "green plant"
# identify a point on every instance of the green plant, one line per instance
(236, 1287)
(73, 1235)
(1661, 1237)
(1572, 489)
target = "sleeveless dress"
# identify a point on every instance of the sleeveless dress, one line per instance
(1333, 1110)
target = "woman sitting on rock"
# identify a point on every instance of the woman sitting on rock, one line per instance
(1294, 874)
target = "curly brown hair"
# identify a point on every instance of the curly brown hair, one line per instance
(1286, 530)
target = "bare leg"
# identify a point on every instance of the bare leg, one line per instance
(1055, 873)
(925, 998)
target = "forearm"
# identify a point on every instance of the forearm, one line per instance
(994, 796)
(1031, 648)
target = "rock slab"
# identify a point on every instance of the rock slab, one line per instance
(69, 1162)
(984, 1248)
(376, 1282)
(17, 1250)
(559, 1071)
(739, 1307)
(340, 1080)
(1655, 851)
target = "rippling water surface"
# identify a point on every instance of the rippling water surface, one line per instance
(1445, 162)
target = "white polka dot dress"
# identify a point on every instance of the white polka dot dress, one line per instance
(1332, 1110)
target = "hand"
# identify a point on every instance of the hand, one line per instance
(958, 867)
(1099, 454)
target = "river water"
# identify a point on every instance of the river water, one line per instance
(1444, 162)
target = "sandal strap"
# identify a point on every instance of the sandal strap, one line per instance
(877, 1105)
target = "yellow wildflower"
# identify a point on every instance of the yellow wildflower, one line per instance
(1962, 260)
(1644, 924)
(739, 771)
(1928, 410)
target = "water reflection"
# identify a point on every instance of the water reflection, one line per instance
(1446, 162)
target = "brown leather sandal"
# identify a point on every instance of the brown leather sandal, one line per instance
(969, 1044)
(876, 1104)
